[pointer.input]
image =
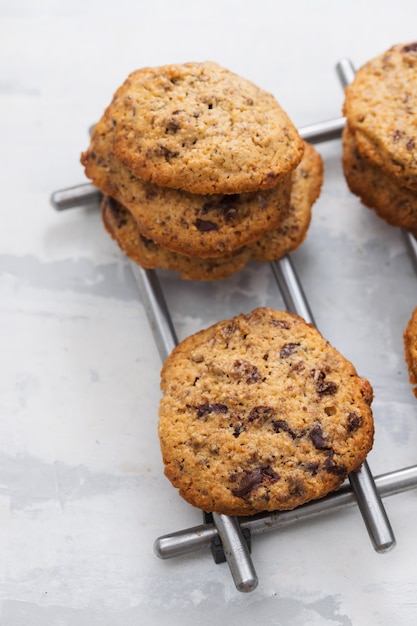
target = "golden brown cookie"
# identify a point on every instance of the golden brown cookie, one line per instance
(123, 228)
(261, 413)
(189, 224)
(380, 106)
(377, 190)
(203, 129)
(306, 184)
(410, 349)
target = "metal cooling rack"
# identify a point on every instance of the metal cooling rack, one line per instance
(230, 537)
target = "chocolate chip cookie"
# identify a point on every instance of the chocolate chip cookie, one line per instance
(261, 413)
(203, 129)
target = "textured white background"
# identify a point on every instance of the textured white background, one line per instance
(82, 493)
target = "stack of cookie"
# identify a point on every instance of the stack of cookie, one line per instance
(201, 171)
(380, 137)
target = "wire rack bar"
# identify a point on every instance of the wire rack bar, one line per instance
(228, 529)
(363, 484)
(187, 541)
(411, 245)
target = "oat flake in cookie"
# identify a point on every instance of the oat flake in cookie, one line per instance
(261, 413)
(201, 128)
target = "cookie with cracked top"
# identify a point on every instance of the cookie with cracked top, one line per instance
(306, 185)
(189, 224)
(381, 109)
(261, 413)
(204, 129)
(410, 349)
(377, 190)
